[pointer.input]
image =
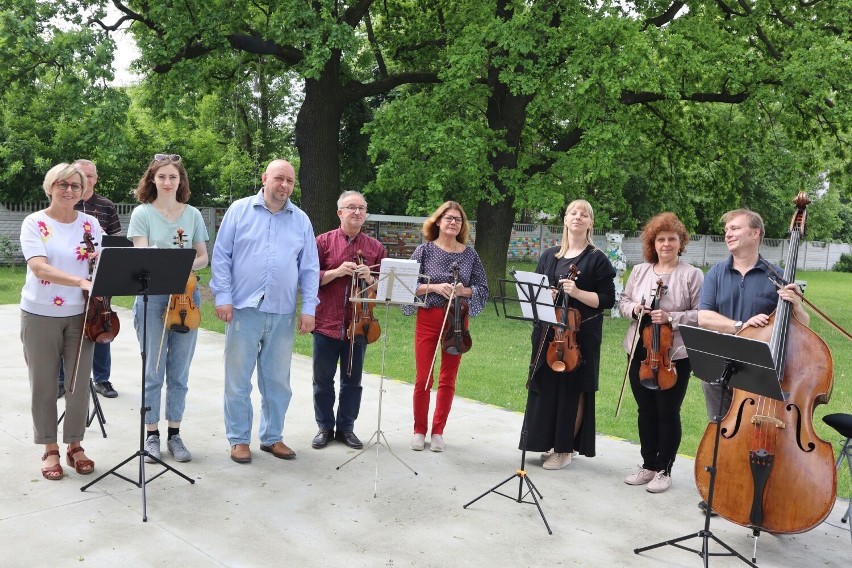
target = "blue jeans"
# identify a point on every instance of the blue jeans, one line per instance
(327, 353)
(257, 339)
(173, 361)
(101, 364)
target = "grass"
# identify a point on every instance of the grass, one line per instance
(495, 370)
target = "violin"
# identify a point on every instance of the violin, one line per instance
(657, 372)
(101, 324)
(456, 339)
(563, 353)
(183, 315)
(773, 472)
(363, 327)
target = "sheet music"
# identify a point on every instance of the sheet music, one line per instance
(543, 300)
(403, 273)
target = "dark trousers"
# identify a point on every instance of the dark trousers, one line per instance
(101, 364)
(659, 417)
(327, 353)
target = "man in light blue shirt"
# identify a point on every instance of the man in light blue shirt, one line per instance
(265, 254)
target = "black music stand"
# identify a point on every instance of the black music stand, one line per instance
(745, 364)
(530, 295)
(142, 272)
(97, 410)
(395, 286)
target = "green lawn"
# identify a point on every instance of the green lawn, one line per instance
(495, 370)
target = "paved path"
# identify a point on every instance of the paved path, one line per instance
(306, 512)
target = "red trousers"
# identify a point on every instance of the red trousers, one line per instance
(426, 339)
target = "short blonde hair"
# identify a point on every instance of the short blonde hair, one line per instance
(60, 172)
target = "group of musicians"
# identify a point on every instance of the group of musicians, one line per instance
(266, 255)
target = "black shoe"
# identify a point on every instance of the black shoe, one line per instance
(703, 506)
(350, 439)
(322, 439)
(105, 389)
(60, 392)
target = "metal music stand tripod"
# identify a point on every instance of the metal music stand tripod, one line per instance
(397, 287)
(531, 297)
(144, 272)
(745, 364)
(97, 410)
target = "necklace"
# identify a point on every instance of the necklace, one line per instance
(171, 214)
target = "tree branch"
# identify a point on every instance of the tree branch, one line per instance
(665, 17)
(632, 98)
(354, 13)
(356, 90)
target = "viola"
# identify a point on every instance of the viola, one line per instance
(456, 339)
(657, 372)
(363, 327)
(101, 324)
(563, 353)
(183, 315)
(773, 472)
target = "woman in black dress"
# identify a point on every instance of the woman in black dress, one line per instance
(560, 412)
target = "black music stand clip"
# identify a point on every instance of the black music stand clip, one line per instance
(531, 296)
(744, 364)
(142, 272)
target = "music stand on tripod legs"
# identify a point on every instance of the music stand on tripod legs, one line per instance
(142, 272)
(395, 288)
(533, 294)
(742, 363)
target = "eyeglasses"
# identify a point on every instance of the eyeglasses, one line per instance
(354, 208)
(167, 157)
(451, 219)
(65, 186)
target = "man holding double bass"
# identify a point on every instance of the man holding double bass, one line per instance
(739, 293)
(343, 328)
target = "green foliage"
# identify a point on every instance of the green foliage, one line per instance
(844, 264)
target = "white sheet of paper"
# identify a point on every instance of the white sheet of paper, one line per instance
(543, 300)
(397, 280)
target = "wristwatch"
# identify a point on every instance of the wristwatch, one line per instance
(670, 318)
(738, 326)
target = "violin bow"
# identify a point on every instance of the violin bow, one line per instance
(818, 311)
(635, 342)
(427, 386)
(87, 240)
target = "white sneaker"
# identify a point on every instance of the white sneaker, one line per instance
(640, 477)
(546, 455)
(152, 446)
(557, 460)
(660, 483)
(436, 444)
(418, 442)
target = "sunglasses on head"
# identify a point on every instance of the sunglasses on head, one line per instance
(167, 157)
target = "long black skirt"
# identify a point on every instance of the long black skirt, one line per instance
(551, 413)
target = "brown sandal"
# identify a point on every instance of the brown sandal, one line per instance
(81, 466)
(54, 472)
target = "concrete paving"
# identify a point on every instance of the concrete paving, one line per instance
(371, 512)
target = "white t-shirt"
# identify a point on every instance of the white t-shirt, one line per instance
(62, 244)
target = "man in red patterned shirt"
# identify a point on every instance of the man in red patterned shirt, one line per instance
(338, 251)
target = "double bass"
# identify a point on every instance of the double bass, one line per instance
(656, 371)
(773, 472)
(563, 353)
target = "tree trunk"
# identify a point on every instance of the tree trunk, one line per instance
(506, 113)
(317, 139)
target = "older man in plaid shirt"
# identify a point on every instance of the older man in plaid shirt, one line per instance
(338, 251)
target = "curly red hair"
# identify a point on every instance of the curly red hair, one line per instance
(665, 222)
